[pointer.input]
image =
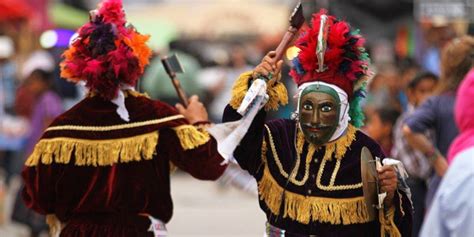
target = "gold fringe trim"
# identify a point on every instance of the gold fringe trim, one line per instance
(278, 95)
(337, 147)
(94, 152)
(190, 137)
(304, 209)
(239, 89)
(387, 224)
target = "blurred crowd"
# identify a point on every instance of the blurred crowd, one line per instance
(404, 83)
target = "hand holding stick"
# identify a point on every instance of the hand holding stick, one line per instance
(172, 67)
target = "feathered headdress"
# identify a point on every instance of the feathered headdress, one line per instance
(332, 52)
(107, 52)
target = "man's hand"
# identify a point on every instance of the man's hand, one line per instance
(267, 67)
(388, 182)
(195, 112)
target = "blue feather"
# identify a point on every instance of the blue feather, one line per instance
(298, 67)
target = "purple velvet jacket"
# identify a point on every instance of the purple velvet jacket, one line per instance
(324, 197)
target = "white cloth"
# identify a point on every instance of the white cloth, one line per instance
(158, 227)
(344, 117)
(228, 135)
(119, 100)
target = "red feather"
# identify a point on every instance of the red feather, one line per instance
(123, 62)
(340, 45)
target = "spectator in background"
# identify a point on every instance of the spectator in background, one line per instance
(8, 83)
(452, 211)
(47, 106)
(408, 69)
(238, 65)
(379, 126)
(437, 112)
(7, 75)
(384, 89)
(437, 33)
(416, 164)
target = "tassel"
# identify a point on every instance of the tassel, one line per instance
(277, 93)
(387, 224)
(239, 89)
(278, 96)
(190, 137)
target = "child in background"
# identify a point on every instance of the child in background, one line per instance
(417, 165)
(379, 126)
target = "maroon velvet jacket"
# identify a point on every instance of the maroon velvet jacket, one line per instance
(100, 175)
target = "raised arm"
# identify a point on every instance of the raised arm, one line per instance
(248, 153)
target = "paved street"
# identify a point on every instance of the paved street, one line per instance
(204, 209)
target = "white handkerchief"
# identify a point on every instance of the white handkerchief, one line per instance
(228, 135)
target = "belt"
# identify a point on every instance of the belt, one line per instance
(273, 231)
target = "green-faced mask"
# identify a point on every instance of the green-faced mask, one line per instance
(319, 108)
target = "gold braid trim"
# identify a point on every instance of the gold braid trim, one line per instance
(264, 151)
(309, 157)
(133, 93)
(331, 186)
(115, 127)
(277, 93)
(302, 208)
(94, 152)
(190, 137)
(387, 224)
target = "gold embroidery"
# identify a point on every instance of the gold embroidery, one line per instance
(115, 127)
(340, 145)
(309, 156)
(305, 208)
(331, 186)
